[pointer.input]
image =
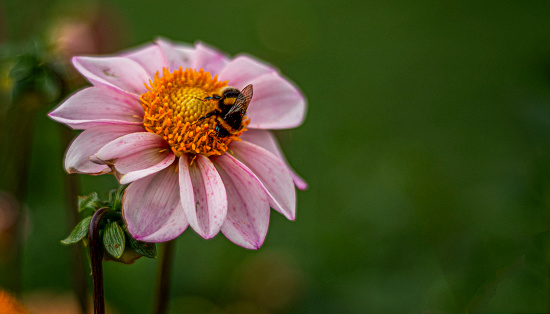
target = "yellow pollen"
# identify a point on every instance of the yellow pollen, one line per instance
(173, 105)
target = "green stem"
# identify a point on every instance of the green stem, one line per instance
(163, 279)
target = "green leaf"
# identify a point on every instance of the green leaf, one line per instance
(112, 197)
(91, 201)
(146, 249)
(79, 232)
(113, 239)
(115, 198)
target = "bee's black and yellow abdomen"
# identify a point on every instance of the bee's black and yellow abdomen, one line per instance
(224, 128)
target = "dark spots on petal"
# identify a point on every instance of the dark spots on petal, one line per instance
(107, 72)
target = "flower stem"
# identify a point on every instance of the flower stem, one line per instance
(77, 260)
(163, 279)
(96, 258)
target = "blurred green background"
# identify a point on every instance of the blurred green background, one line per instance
(426, 147)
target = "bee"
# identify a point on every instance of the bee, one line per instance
(231, 108)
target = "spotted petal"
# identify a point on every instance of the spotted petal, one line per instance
(247, 204)
(115, 72)
(77, 159)
(96, 106)
(277, 104)
(152, 209)
(202, 195)
(272, 172)
(136, 155)
(265, 139)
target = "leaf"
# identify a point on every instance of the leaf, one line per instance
(114, 239)
(146, 249)
(115, 198)
(79, 232)
(91, 201)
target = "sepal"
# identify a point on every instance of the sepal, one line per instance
(113, 239)
(118, 244)
(89, 203)
(79, 232)
(144, 248)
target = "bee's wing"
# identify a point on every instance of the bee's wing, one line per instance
(242, 102)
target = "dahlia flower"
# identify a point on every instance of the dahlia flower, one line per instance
(145, 120)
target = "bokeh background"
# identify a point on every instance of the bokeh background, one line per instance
(426, 147)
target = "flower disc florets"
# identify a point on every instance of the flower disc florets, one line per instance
(173, 105)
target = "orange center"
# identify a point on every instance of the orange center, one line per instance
(173, 105)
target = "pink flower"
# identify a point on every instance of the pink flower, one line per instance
(142, 122)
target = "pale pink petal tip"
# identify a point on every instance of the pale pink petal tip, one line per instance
(248, 205)
(272, 172)
(96, 106)
(89, 142)
(152, 209)
(203, 195)
(136, 155)
(114, 72)
(301, 184)
(267, 140)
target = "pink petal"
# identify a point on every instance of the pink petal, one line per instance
(265, 139)
(77, 159)
(136, 155)
(272, 172)
(202, 195)
(116, 72)
(142, 164)
(152, 209)
(95, 106)
(208, 58)
(130, 144)
(242, 70)
(276, 104)
(175, 56)
(150, 58)
(247, 204)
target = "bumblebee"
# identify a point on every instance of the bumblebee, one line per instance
(231, 108)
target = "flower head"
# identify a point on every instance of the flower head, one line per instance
(158, 118)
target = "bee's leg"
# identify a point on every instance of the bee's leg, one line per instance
(208, 115)
(212, 97)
